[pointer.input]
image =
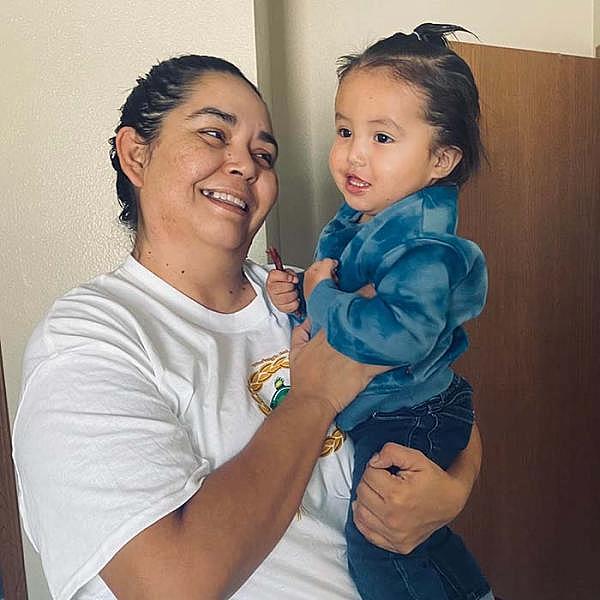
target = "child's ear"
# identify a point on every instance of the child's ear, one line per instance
(445, 159)
(132, 152)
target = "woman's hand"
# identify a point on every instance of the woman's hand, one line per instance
(319, 372)
(398, 512)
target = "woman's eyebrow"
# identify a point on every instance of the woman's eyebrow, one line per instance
(265, 136)
(217, 112)
(231, 119)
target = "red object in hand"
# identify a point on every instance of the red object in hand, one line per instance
(275, 258)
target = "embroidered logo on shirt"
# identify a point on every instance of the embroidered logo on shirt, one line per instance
(263, 383)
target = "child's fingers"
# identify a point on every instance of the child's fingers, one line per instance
(282, 276)
(290, 307)
(282, 288)
(287, 298)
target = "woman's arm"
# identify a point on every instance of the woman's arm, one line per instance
(398, 512)
(209, 547)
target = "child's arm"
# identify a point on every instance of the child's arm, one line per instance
(403, 322)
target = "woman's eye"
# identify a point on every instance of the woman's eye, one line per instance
(344, 132)
(265, 159)
(215, 134)
(383, 138)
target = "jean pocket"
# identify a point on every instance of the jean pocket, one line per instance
(402, 414)
(458, 402)
(464, 415)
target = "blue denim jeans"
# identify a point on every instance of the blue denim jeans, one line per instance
(441, 568)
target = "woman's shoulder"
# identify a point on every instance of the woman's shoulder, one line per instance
(99, 309)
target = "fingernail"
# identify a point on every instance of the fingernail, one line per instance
(374, 459)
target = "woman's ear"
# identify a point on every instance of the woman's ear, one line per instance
(446, 158)
(132, 152)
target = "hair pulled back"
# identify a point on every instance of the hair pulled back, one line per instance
(163, 88)
(424, 60)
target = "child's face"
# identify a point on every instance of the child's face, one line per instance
(383, 146)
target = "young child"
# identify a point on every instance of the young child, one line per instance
(392, 283)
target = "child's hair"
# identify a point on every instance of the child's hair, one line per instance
(424, 60)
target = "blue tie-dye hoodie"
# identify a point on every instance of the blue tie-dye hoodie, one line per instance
(429, 282)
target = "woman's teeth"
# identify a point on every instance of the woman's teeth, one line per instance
(225, 197)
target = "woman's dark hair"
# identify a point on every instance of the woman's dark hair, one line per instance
(165, 87)
(424, 60)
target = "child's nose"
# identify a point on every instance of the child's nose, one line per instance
(357, 156)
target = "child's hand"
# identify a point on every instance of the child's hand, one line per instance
(281, 287)
(367, 291)
(317, 272)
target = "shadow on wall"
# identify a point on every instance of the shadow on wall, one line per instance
(295, 223)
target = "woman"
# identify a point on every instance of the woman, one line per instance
(146, 467)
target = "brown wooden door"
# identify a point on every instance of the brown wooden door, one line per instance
(534, 517)
(12, 570)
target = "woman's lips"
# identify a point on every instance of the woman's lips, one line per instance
(227, 199)
(355, 185)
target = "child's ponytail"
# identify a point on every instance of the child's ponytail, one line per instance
(436, 34)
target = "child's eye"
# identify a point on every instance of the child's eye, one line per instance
(344, 132)
(265, 159)
(383, 138)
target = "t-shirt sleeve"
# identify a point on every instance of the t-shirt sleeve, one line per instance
(100, 456)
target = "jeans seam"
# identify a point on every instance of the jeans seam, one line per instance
(430, 434)
(398, 568)
(409, 441)
(443, 576)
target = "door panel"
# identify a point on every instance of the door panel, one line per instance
(534, 518)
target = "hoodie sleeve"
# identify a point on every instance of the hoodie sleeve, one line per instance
(419, 297)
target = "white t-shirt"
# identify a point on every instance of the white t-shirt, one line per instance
(132, 394)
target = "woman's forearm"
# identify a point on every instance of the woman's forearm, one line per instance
(467, 464)
(209, 547)
(245, 506)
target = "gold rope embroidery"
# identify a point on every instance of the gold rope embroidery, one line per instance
(268, 368)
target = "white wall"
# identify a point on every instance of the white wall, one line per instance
(67, 66)
(311, 34)
(596, 23)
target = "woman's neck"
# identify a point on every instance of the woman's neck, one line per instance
(211, 276)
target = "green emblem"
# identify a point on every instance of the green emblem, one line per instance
(281, 391)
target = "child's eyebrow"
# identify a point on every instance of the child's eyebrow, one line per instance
(386, 123)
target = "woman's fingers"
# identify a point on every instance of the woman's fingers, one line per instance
(406, 508)
(371, 526)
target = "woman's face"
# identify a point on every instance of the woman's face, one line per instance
(208, 179)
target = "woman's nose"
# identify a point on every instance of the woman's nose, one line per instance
(241, 163)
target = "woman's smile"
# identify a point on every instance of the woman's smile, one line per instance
(227, 198)
(209, 181)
